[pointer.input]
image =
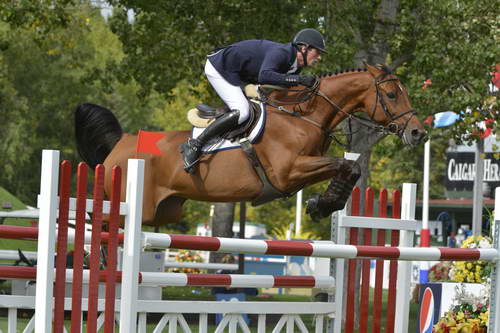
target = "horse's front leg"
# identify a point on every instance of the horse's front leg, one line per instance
(343, 174)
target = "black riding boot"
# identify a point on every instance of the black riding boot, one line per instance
(191, 150)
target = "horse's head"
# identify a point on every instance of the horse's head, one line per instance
(388, 104)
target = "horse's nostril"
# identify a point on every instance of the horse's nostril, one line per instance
(418, 135)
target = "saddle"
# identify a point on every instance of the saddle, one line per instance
(202, 115)
(211, 113)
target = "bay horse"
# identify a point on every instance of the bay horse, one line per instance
(298, 132)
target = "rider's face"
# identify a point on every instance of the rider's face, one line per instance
(313, 56)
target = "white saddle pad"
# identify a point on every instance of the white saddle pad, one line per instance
(223, 144)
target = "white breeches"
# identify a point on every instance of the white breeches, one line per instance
(231, 95)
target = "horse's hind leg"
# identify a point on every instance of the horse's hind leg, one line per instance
(337, 193)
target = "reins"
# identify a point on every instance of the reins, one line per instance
(309, 92)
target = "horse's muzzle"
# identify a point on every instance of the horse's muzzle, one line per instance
(414, 136)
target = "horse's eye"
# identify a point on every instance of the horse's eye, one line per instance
(391, 95)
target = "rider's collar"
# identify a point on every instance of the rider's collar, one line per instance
(294, 67)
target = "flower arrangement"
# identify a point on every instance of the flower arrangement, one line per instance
(186, 256)
(440, 272)
(470, 315)
(472, 271)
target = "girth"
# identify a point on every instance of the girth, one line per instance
(269, 192)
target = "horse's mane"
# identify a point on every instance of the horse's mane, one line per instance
(342, 71)
(386, 70)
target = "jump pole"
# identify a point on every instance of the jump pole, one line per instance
(46, 240)
(494, 319)
(132, 246)
(404, 267)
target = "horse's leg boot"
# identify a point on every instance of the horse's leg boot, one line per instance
(335, 196)
(191, 150)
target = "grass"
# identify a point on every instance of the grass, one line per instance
(7, 197)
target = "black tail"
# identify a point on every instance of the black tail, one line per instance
(97, 131)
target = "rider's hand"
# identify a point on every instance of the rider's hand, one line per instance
(307, 80)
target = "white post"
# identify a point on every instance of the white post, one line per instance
(339, 275)
(477, 200)
(494, 320)
(12, 320)
(424, 233)
(408, 202)
(497, 205)
(132, 247)
(48, 202)
(298, 215)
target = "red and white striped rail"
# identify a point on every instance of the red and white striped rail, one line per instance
(31, 233)
(193, 280)
(323, 249)
(236, 280)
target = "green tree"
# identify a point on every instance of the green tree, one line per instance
(44, 79)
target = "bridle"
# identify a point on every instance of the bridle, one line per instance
(309, 92)
(392, 117)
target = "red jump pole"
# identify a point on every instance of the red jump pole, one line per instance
(62, 246)
(379, 269)
(351, 273)
(18, 232)
(114, 220)
(95, 249)
(78, 253)
(393, 266)
(365, 266)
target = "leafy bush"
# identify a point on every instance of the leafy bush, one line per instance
(470, 314)
(440, 272)
(472, 271)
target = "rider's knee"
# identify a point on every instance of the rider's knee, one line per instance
(244, 114)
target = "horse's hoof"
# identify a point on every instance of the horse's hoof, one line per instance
(312, 208)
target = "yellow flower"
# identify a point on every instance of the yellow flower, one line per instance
(484, 317)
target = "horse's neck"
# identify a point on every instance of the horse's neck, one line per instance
(345, 92)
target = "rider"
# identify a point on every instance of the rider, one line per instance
(253, 61)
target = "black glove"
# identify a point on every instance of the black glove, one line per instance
(307, 80)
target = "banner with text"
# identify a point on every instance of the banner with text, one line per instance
(461, 171)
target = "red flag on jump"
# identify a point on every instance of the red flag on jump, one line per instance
(146, 143)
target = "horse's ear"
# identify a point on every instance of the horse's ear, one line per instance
(374, 71)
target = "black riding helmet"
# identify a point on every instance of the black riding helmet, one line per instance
(310, 37)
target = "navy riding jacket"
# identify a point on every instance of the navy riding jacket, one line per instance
(257, 61)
